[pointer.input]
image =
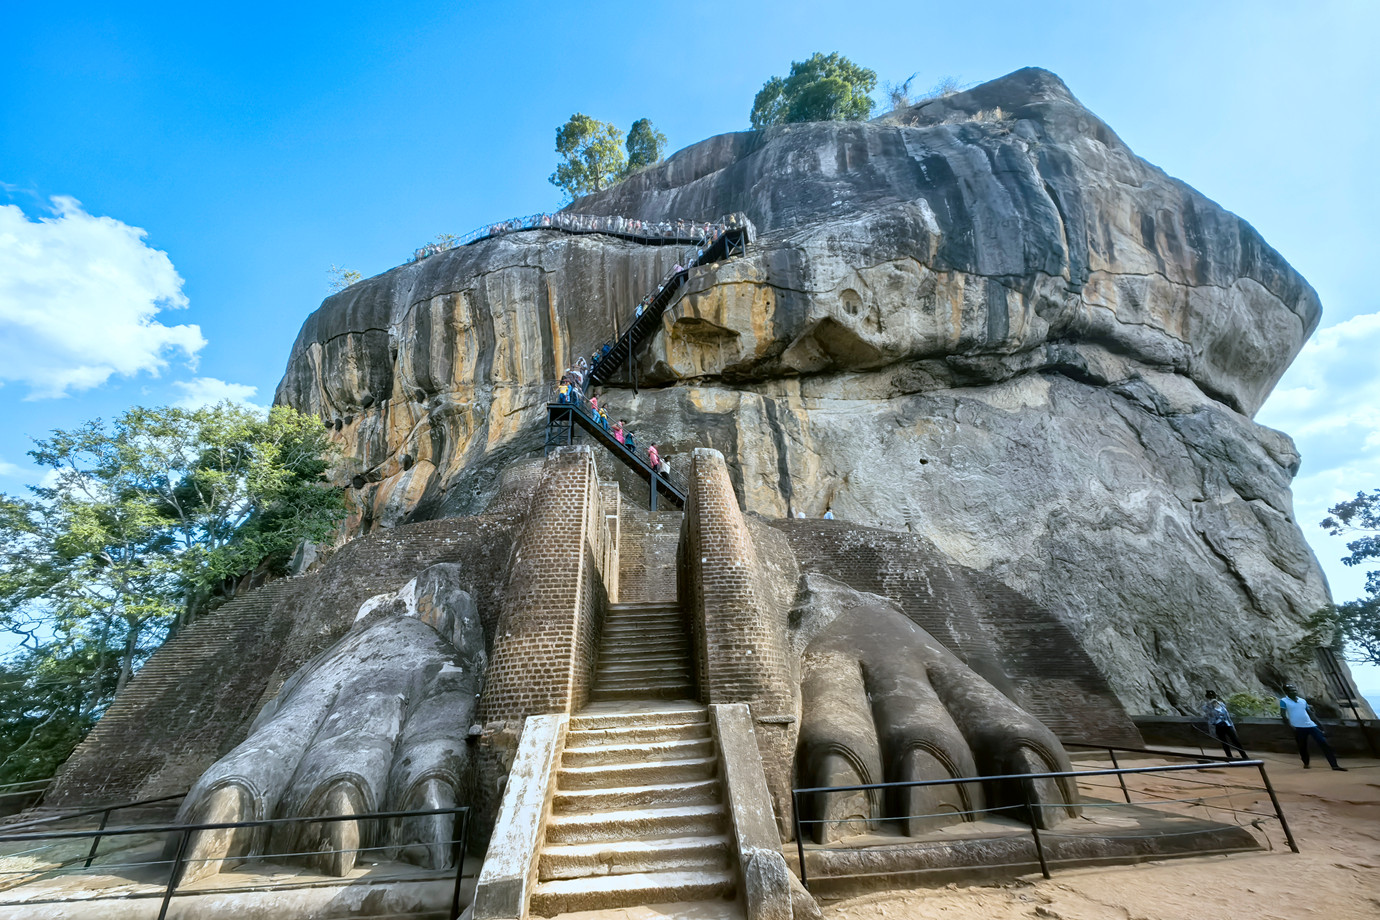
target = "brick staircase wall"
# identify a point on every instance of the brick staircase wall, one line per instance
(737, 620)
(197, 695)
(647, 554)
(555, 597)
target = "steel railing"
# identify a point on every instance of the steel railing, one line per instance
(580, 404)
(681, 230)
(1026, 809)
(184, 832)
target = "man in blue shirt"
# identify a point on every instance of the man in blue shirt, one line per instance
(1298, 715)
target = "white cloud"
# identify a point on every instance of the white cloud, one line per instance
(1329, 401)
(207, 391)
(10, 469)
(78, 297)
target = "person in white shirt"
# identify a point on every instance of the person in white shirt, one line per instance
(1298, 715)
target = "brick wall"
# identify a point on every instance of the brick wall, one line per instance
(555, 597)
(739, 629)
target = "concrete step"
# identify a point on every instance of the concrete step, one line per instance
(609, 892)
(697, 792)
(615, 660)
(638, 631)
(637, 734)
(648, 773)
(645, 648)
(637, 718)
(643, 694)
(637, 823)
(634, 675)
(645, 645)
(651, 679)
(629, 857)
(611, 754)
(644, 607)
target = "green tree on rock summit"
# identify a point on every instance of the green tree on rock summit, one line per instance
(823, 88)
(594, 156)
(593, 152)
(645, 144)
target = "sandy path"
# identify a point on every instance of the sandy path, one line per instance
(1335, 818)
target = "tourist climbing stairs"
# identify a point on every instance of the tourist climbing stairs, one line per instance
(730, 242)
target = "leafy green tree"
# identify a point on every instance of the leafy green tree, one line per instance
(341, 278)
(645, 144)
(1359, 620)
(144, 524)
(51, 697)
(823, 88)
(593, 155)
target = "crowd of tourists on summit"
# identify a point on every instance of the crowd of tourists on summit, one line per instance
(701, 233)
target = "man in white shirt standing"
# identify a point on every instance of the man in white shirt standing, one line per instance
(1298, 715)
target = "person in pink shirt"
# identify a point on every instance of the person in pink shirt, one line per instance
(618, 431)
(653, 457)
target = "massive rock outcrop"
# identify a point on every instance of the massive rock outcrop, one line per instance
(982, 319)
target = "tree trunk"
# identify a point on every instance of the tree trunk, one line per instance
(127, 662)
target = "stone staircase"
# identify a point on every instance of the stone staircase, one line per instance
(638, 816)
(644, 654)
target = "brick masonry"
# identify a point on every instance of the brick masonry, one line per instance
(738, 630)
(556, 595)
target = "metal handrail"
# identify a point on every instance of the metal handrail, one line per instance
(97, 810)
(185, 832)
(1026, 803)
(579, 402)
(680, 230)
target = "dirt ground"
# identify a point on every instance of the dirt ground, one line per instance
(1335, 818)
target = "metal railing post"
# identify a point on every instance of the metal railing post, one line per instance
(105, 818)
(1121, 777)
(1035, 830)
(459, 865)
(799, 839)
(1279, 812)
(172, 876)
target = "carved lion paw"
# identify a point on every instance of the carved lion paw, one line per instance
(883, 701)
(377, 722)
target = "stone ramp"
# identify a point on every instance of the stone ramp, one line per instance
(1000, 849)
(638, 816)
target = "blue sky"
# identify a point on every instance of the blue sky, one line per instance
(257, 144)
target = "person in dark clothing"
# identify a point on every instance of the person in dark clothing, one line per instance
(1220, 724)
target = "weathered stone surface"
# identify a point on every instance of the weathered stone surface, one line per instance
(1002, 331)
(377, 722)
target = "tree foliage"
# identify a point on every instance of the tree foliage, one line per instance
(823, 88)
(593, 155)
(646, 144)
(341, 278)
(141, 526)
(1359, 620)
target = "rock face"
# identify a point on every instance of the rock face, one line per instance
(983, 320)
